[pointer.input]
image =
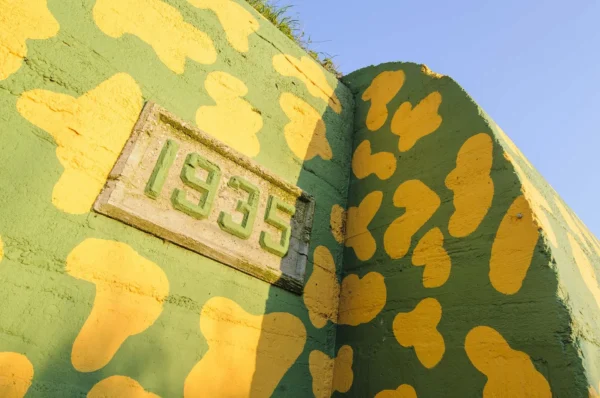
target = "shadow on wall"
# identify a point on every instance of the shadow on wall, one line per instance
(247, 353)
(278, 341)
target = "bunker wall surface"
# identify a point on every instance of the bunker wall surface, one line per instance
(90, 304)
(482, 292)
(441, 264)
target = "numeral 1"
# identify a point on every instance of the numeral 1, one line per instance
(161, 169)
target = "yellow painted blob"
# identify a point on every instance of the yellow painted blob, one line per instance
(420, 203)
(337, 223)
(430, 253)
(16, 373)
(593, 393)
(586, 269)
(311, 74)
(364, 163)
(382, 90)
(239, 346)
(90, 132)
(404, 391)
(472, 185)
(584, 232)
(358, 235)
(119, 387)
(510, 373)
(21, 20)
(322, 290)
(418, 329)
(159, 25)
(330, 374)
(578, 228)
(130, 292)
(361, 300)
(428, 72)
(305, 134)
(539, 204)
(1, 249)
(566, 214)
(413, 124)
(515, 149)
(238, 23)
(513, 247)
(233, 120)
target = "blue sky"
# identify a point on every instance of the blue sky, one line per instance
(533, 65)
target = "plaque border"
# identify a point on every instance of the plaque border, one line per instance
(153, 114)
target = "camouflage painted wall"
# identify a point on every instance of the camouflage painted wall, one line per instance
(476, 280)
(93, 307)
(463, 272)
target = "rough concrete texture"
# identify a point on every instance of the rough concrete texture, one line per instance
(464, 274)
(93, 306)
(491, 282)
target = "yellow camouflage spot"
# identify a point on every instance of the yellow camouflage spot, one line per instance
(233, 120)
(404, 391)
(237, 22)
(16, 373)
(358, 235)
(511, 145)
(420, 203)
(361, 300)
(159, 25)
(337, 223)
(305, 134)
(322, 290)
(364, 163)
(418, 329)
(586, 269)
(472, 185)
(382, 90)
(413, 124)
(130, 292)
(311, 74)
(330, 374)
(510, 373)
(430, 253)
(119, 387)
(513, 247)
(247, 354)
(428, 72)
(20, 21)
(1, 249)
(539, 204)
(90, 132)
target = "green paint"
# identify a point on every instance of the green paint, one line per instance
(208, 189)
(247, 208)
(161, 169)
(43, 307)
(552, 318)
(266, 241)
(536, 320)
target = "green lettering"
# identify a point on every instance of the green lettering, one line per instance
(208, 188)
(161, 169)
(281, 247)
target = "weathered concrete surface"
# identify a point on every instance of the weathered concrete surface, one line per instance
(90, 304)
(464, 273)
(491, 282)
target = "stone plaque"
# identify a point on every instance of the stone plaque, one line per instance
(180, 184)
